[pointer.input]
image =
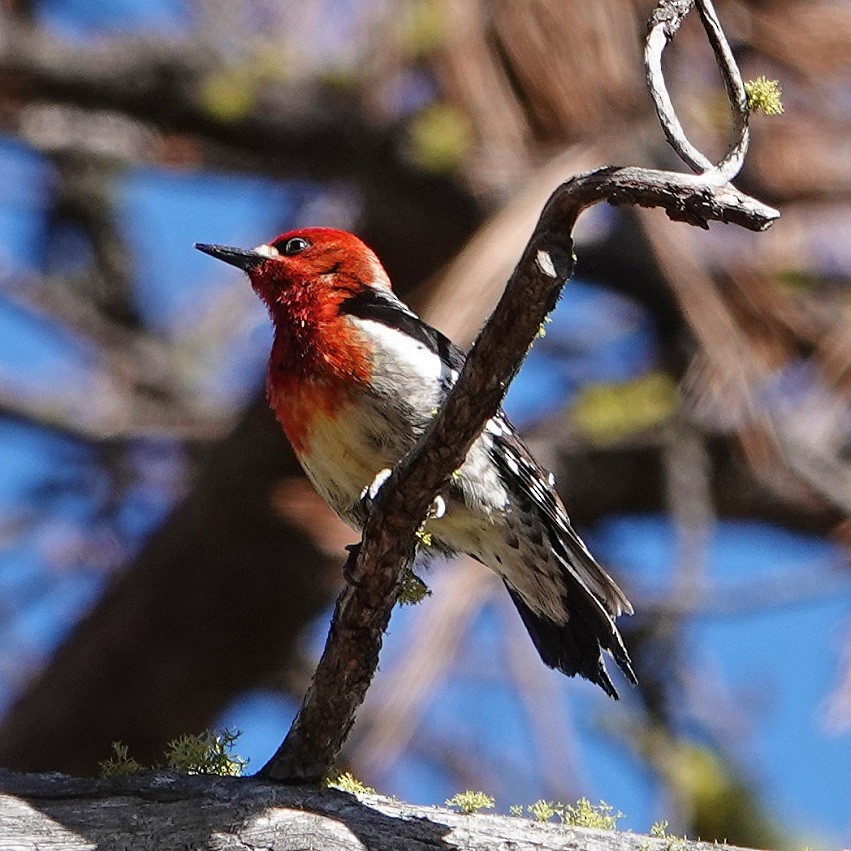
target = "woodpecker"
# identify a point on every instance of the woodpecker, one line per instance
(354, 379)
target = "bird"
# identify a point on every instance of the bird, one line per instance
(354, 378)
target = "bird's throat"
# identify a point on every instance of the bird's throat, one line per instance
(315, 365)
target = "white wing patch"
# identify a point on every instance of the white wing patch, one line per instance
(407, 364)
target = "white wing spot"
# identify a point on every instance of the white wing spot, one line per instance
(399, 359)
(545, 263)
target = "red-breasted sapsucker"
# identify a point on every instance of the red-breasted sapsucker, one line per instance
(355, 377)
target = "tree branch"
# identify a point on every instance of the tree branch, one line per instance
(160, 810)
(363, 609)
(662, 27)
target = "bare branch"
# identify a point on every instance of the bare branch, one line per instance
(363, 609)
(684, 197)
(399, 700)
(663, 25)
(166, 810)
(732, 163)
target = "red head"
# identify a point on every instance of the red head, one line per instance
(304, 276)
(322, 265)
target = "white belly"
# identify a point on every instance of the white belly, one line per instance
(344, 455)
(347, 451)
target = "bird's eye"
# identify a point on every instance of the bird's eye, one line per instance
(295, 245)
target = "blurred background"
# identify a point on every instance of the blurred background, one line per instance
(165, 567)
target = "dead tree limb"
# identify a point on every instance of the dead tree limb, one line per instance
(166, 811)
(363, 609)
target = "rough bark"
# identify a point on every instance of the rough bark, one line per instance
(168, 811)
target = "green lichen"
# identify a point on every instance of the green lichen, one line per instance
(585, 814)
(119, 765)
(206, 753)
(659, 830)
(470, 802)
(581, 814)
(542, 328)
(426, 539)
(543, 810)
(413, 590)
(764, 96)
(347, 782)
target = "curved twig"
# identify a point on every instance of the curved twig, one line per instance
(662, 27)
(733, 161)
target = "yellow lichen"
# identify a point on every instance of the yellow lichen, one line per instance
(205, 753)
(470, 802)
(347, 782)
(414, 590)
(764, 96)
(119, 765)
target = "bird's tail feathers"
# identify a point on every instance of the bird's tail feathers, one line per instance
(591, 602)
(584, 569)
(575, 646)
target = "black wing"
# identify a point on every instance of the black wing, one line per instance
(591, 601)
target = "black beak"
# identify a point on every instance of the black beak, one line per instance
(242, 258)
